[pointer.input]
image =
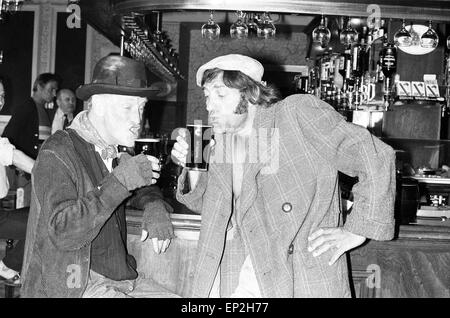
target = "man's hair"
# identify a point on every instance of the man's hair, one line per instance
(251, 90)
(44, 78)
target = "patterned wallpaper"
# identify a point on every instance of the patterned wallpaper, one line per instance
(284, 49)
(173, 31)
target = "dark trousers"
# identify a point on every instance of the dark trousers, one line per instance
(13, 225)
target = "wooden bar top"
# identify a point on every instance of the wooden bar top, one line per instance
(422, 230)
(414, 264)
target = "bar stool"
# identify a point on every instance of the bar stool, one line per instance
(10, 288)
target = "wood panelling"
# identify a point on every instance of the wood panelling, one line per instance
(173, 268)
(170, 269)
(408, 267)
(414, 121)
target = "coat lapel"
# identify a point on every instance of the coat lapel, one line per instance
(257, 156)
(221, 169)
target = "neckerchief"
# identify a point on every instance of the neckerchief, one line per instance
(84, 127)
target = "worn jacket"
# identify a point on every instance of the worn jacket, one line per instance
(66, 214)
(285, 199)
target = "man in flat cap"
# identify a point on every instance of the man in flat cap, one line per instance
(270, 206)
(76, 236)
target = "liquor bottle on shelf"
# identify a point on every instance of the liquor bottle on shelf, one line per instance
(348, 78)
(337, 76)
(325, 78)
(315, 81)
(338, 100)
(357, 71)
(378, 42)
(369, 52)
(388, 59)
(301, 84)
(381, 32)
(328, 97)
(366, 53)
(357, 58)
(379, 72)
(348, 63)
(325, 66)
(334, 59)
(342, 60)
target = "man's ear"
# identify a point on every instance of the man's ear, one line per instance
(39, 88)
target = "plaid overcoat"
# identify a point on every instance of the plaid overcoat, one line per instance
(284, 200)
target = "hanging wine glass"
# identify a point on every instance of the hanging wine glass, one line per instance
(252, 24)
(211, 30)
(266, 29)
(448, 42)
(321, 34)
(239, 29)
(349, 35)
(429, 39)
(402, 37)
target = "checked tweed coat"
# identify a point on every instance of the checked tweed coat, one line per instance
(278, 209)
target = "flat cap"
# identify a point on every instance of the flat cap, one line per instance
(233, 62)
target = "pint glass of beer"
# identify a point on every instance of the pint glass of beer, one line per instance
(198, 138)
(147, 146)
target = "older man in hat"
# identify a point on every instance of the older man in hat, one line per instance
(271, 221)
(76, 236)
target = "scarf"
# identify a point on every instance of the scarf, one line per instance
(84, 127)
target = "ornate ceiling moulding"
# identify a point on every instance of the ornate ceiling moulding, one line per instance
(436, 10)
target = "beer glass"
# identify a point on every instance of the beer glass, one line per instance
(198, 138)
(147, 146)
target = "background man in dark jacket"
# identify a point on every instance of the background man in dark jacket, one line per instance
(76, 235)
(31, 122)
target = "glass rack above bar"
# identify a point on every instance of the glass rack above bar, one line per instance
(436, 10)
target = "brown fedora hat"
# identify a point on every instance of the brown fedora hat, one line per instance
(120, 75)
